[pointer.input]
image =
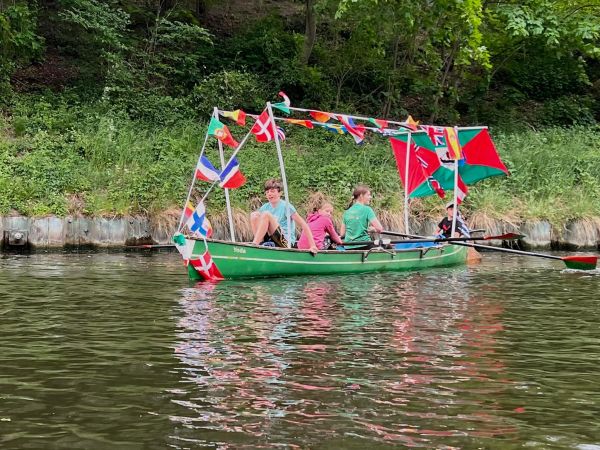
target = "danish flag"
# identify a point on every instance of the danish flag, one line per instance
(206, 267)
(264, 128)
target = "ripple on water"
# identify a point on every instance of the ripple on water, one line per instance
(109, 350)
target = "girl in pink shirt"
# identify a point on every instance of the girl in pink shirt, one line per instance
(321, 225)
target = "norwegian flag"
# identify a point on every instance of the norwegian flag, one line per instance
(462, 190)
(206, 267)
(264, 128)
(357, 131)
(205, 170)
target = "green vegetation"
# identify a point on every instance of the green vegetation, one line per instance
(60, 159)
(103, 104)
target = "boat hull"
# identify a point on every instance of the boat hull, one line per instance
(238, 260)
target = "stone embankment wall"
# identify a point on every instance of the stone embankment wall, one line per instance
(78, 232)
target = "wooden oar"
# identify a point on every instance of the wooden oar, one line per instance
(578, 262)
(436, 240)
(151, 246)
(500, 237)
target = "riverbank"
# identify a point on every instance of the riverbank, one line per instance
(61, 162)
(31, 234)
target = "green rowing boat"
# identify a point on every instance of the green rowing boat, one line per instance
(241, 260)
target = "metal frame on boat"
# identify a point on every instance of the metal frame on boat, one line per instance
(213, 259)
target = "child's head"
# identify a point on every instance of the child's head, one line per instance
(273, 190)
(326, 209)
(272, 183)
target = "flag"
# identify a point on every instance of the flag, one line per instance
(206, 267)
(461, 190)
(221, 132)
(304, 123)
(231, 177)
(333, 127)
(437, 187)
(454, 150)
(205, 170)
(379, 123)
(283, 106)
(263, 128)
(238, 115)
(412, 124)
(357, 131)
(188, 211)
(281, 134)
(198, 223)
(320, 116)
(185, 247)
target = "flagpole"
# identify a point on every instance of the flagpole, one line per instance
(406, 166)
(455, 209)
(192, 185)
(226, 190)
(283, 178)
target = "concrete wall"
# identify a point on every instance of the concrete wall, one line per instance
(81, 232)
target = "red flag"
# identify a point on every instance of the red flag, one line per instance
(416, 174)
(264, 129)
(481, 151)
(206, 267)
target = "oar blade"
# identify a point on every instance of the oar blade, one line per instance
(580, 262)
(504, 237)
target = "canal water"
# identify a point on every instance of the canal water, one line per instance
(120, 351)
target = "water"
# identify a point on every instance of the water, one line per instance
(120, 351)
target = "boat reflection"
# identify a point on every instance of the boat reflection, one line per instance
(259, 358)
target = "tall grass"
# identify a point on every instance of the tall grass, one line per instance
(69, 159)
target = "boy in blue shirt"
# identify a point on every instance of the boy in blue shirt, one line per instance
(270, 221)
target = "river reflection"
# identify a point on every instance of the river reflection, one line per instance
(345, 359)
(121, 351)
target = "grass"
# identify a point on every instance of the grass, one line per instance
(70, 159)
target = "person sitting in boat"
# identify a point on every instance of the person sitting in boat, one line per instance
(321, 226)
(359, 218)
(270, 224)
(445, 226)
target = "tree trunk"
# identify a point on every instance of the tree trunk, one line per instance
(200, 8)
(310, 34)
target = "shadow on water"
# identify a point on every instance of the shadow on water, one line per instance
(121, 351)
